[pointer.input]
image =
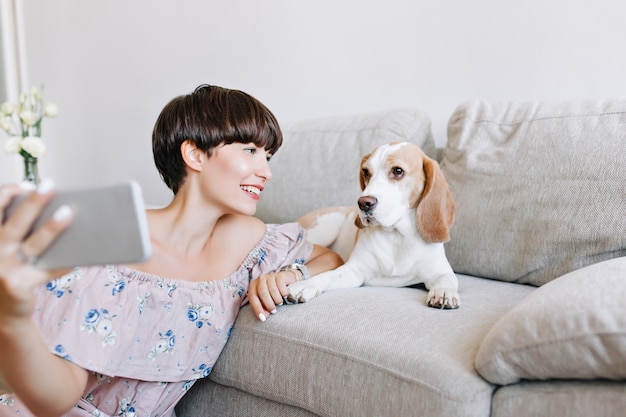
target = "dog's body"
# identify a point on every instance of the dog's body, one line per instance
(404, 217)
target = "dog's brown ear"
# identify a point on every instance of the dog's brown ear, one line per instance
(436, 207)
(361, 177)
(358, 223)
(357, 220)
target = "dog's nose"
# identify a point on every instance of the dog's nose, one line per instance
(367, 203)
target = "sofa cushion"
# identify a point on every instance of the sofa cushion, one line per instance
(574, 327)
(331, 150)
(334, 355)
(539, 187)
(560, 398)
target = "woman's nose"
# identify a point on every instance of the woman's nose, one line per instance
(264, 171)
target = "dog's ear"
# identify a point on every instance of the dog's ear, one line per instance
(436, 207)
(361, 177)
(358, 223)
(357, 220)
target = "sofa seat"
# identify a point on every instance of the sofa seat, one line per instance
(361, 352)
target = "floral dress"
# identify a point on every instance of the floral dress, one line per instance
(147, 339)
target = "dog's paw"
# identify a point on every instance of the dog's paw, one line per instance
(301, 292)
(444, 298)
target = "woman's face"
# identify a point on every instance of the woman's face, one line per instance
(236, 175)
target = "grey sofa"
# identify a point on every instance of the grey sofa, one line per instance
(539, 246)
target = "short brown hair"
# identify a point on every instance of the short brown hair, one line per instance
(209, 117)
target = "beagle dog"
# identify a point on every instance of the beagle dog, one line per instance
(403, 218)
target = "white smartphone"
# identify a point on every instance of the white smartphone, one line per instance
(109, 227)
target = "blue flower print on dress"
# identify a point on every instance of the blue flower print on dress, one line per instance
(236, 289)
(63, 285)
(169, 286)
(142, 300)
(188, 384)
(59, 350)
(6, 400)
(101, 323)
(203, 370)
(164, 345)
(102, 379)
(259, 254)
(115, 280)
(126, 408)
(200, 314)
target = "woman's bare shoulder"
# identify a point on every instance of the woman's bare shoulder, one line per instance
(246, 230)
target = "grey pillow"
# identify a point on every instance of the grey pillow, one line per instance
(318, 164)
(540, 187)
(574, 327)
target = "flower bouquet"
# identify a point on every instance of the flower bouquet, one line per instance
(22, 123)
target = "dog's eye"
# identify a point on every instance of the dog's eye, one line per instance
(397, 172)
(366, 173)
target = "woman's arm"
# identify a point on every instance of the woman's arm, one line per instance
(47, 384)
(267, 291)
(322, 259)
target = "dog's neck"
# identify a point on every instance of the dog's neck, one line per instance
(405, 226)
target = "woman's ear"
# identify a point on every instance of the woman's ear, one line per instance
(192, 156)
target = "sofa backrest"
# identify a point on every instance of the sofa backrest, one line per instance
(318, 164)
(540, 187)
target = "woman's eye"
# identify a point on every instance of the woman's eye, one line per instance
(250, 150)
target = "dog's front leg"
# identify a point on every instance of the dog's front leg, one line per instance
(443, 292)
(345, 276)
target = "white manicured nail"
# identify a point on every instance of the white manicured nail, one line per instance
(45, 186)
(273, 311)
(62, 213)
(27, 186)
(262, 317)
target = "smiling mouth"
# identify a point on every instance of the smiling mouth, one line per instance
(250, 189)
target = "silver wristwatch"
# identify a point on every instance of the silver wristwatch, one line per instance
(300, 267)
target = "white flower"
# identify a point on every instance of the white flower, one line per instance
(29, 118)
(34, 146)
(22, 123)
(12, 145)
(5, 123)
(8, 108)
(51, 110)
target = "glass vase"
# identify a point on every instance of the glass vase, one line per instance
(31, 172)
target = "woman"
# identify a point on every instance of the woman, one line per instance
(131, 339)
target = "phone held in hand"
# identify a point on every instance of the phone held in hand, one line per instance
(109, 227)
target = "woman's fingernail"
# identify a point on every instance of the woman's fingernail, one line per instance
(62, 213)
(45, 186)
(273, 311)
(262, 317)
(27, 186)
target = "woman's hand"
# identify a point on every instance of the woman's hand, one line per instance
(44, 382)
(267, 292)
(19, 248)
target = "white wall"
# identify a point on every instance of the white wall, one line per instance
(111, 65)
